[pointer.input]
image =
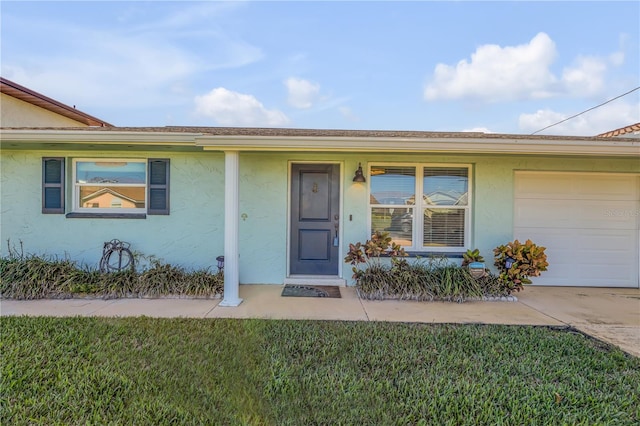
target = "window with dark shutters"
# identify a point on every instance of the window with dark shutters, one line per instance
(107, 188)
(53, 185)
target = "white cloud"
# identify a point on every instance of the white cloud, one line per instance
(530, 123)
(617, 58)
(112, 66)
(302, 93)
(498, 73)
(119, 71)
(230, 108)
(608, 117)
(186, 16)
(586, 77)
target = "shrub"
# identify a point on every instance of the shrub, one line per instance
(380, 244)
(454, 283)
(32, 277)
(37, 277)
(517, 262)
(432, 279)
(374, 282)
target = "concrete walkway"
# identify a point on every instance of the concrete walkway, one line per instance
(612, 315)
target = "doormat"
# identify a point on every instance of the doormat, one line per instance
(295, 290)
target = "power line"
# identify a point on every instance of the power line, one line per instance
(587, 110)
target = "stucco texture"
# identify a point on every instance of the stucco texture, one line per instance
(192, 235)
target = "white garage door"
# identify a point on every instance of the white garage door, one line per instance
(587, 221)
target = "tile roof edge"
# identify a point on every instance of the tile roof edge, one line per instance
(621, 131)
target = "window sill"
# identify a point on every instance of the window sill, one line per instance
(427, 254)
(82, 215)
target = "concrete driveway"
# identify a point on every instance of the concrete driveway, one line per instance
(611, 315)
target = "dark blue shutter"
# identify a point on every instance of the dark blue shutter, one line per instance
(158, 189)
(53, 185)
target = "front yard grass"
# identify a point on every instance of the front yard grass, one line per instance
(253, 372)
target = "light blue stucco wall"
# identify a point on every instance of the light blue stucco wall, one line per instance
(264, 210)
(192, 235)
(493, 190)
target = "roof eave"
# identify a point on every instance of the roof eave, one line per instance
(500, 145)
(80, 136)
(423, 145)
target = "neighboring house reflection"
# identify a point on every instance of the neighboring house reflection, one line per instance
(109, 198)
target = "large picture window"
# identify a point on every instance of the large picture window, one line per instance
(107, 185)
(423, 207)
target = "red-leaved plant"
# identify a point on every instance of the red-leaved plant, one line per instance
(517, 262)
(379, 245)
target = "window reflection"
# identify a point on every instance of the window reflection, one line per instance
(110, 184)
(397, 221)
(108, 197)
(393, 185)
(445, 186)
(104, 172)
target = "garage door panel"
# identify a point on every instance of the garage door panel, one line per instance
(575, 186)
(610, 245)
(593, 258)
(591, 276)
(587, 222)
(591, 214)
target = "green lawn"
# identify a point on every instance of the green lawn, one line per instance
(187, 371)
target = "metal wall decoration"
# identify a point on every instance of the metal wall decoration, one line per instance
(116, 257)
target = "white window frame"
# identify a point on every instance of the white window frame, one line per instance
(76, 186)
(418, 208)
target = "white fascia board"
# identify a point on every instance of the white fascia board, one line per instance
(436, 145)
(573, 147)
(97, 137)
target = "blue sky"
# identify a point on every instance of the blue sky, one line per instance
(501, 67)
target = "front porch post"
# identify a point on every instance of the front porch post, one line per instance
(231, 222)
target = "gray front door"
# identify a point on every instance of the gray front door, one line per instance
(315, 200)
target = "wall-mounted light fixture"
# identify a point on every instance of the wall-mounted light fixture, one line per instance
(359, 177)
